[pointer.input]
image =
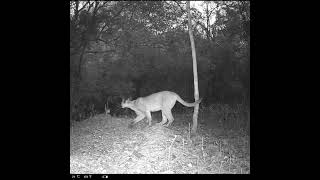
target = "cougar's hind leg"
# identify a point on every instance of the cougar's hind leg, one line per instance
(164, 119)
(169, 116)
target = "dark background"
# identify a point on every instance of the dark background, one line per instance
(132, 49)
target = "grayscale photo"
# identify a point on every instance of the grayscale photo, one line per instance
(159, 87)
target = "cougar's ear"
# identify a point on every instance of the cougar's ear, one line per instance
(123, 103)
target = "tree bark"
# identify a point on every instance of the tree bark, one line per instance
(79, 72)
(75, 89)
(195, 73)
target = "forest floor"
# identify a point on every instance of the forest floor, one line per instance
(105, 145)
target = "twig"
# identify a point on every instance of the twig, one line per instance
(189, 131)
(105, 109)
(183, 143)
(202, 149)
(175, 136)
(229, 163)
(198, 164)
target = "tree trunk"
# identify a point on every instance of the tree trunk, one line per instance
(81, 62)
(195, 73)
(75, 89)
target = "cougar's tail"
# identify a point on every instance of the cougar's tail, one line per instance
(186, 103)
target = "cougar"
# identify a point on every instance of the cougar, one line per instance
(161, 101)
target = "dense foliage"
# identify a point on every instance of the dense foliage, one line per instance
(133, 48)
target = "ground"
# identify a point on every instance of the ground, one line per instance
(105, 145)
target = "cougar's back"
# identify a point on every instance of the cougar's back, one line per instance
(157, 101)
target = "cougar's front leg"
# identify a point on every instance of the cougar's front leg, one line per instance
(139, 117)
(148, 114)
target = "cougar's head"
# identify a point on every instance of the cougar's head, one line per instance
(125, 103)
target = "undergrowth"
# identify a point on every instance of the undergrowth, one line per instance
(104, 144)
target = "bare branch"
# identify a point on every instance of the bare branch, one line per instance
(102, 5)
(99, 39)
(76, 12)
(131, 16)
(206, 29)
(116, 14)
(83, 6)
(181, 8)
(100, 52)
(102, 29)
(119, 12)
(90, 6)
(116, 38)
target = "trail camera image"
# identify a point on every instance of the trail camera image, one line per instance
(159, 87)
